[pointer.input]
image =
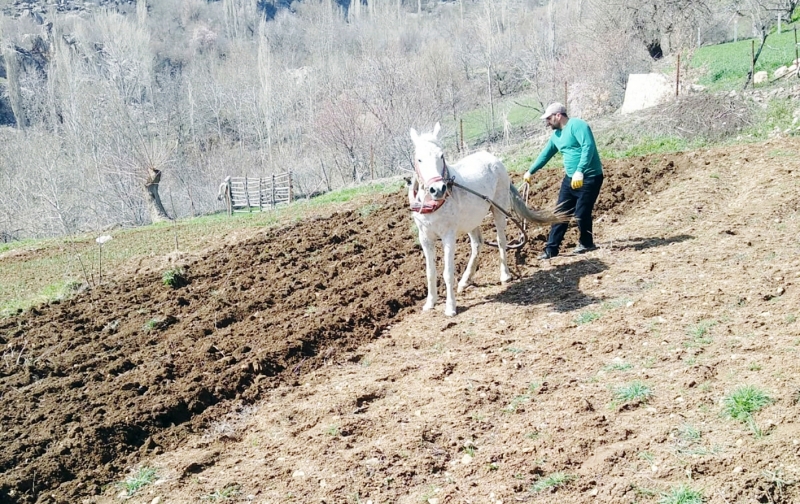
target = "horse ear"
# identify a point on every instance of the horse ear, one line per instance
(414, 134)
(436, 130)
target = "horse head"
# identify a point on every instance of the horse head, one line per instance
(429, 164)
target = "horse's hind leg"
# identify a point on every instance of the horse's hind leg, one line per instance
(502, 243)
(475, 241)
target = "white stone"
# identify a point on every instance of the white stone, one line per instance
(466, 459)
(646, 90)
(760, 77)
(298, 474)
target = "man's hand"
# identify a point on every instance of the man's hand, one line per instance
(577, 180)
(527, 177)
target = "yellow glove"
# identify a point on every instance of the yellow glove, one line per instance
(577, 180)
(527, 177)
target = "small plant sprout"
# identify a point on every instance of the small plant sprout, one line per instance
(636, 392)
(140, 479)
(150, 325)
(777, 480)
(227, 493)
(700, 329)
(681, 495)
(174, 277)
(647, 456)
(469, 448)
(516, 403)
(586, 317)
(618, 365)
(552, 482)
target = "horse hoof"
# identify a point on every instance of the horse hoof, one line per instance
(427, 307)
(461, 288)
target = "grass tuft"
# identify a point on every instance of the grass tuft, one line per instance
(586, 317)
(552, 481)
(229, 492)
(744, 401)
(636, 392)
(143, 477)
(681, 495)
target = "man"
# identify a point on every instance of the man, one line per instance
(584, 176)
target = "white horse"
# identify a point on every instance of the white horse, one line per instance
(444, 206)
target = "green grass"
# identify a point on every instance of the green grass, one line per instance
(150, 325)
(552, 481)
(227, 493)
(743, 402)
(174, 277)
(143, 477)
(618, 366)
(632, 392)
(725, 66)
(586, 317)
(351, 193)
(778, 115)
(681, 495)
(699, 333)
(689, 433)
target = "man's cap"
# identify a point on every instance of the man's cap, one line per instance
(554, 108)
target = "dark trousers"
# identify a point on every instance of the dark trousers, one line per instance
(578, 203)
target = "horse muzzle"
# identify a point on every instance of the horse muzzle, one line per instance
(437, 190)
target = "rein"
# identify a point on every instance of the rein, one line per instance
(510, 245)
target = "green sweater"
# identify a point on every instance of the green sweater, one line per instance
(576, 143)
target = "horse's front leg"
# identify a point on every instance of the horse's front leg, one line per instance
(449, 250)
(429, 251)
(500, 223)
(475, 241)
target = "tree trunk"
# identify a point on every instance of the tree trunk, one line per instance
(154, 206)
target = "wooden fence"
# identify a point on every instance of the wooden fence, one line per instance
(248, 194)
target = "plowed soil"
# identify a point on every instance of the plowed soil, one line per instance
(296, 365)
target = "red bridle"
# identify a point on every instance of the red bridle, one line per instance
(429, 206)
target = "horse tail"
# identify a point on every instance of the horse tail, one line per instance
(538, 216)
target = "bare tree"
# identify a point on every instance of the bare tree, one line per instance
(764, 15)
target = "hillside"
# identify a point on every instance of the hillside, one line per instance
(296, 366)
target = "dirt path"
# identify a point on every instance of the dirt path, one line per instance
(296, 366)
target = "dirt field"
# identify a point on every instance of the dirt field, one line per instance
(296, 366)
